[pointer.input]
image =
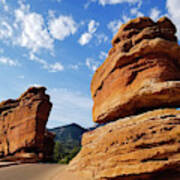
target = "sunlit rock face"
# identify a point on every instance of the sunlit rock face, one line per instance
(135, 147)
(141, 72)
(138, 88)
(22, 127)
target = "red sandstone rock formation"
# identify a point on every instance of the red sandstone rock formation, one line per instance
(22, 126)
(137, 147)
(141, 72)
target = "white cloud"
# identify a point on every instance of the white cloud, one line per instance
(51, 14)
(34, 34)
(126, 18)
(114, 26)
(92, 64)
(92, 26)
(68, 107)
(103, 55)
(101, 38)
(136, 12)
(114, 2)
(155, 13)
(56, 67)
(74, 66)
(33, 85)
(62, 27)
(173, 7)
(8, 61)
(86, 5)
(33, 57)
(87, 36)
(6, 30)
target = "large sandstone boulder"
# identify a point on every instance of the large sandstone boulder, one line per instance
(141, 76)
(133, 148)
(22, 127)
(141, 72)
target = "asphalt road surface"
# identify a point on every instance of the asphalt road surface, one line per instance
(31, 172)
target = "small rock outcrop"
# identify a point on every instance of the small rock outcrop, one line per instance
(22, 127)
(138, 88)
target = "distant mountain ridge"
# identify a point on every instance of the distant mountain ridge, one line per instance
(69, 135)
(68, 141)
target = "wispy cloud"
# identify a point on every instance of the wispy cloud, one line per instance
(6, 30)
(114, 2)
(136, 12)
(101, 38)
(92, 26)
(75, 66)
(173, 7)
(8, 61)
(126, 18)
(114, 25)
(92, 64)
(32, 85)
(56, 67)
(103, 55)
(155, 13)
(87, 36)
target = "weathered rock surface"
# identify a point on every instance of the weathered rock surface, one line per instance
(141, 76)
(141, 72)
(22, 127)
(133, 148)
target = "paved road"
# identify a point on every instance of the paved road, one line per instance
(31, 172)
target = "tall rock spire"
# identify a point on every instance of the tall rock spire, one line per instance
(23, 134)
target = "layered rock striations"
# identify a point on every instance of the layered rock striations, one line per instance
(138, 88)
(136, 147)
(22, 126)
(141, 72)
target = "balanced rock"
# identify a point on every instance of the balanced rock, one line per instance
(140, 147)
(137, 87)
(23, 134)
(142, 71)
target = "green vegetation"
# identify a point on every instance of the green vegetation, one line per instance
(67, 142)
(63, 155)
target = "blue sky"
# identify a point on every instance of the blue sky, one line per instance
(60, 43)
